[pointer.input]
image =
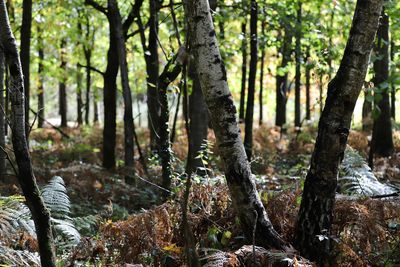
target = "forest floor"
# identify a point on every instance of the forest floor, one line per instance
(128, 223)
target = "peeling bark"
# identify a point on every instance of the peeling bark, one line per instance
(213, 80)
(315, 215)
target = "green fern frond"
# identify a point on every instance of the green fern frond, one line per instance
(356, 177)
(11, 257)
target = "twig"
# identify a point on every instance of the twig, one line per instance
(9, 160)
(254, 237)
(52, 125)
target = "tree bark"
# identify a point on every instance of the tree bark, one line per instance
(169, 74)
(152, 68)
(315, 215)
(244, 70)
(115, 18)
(109, 93)
(248, 137)
(213, 80)
(393, 85)
(382, 135)
(26, 177)
(198, 124)
(40, 92)
(367, 120)
(63, 85)
(79, 102)
(2, 119)
(308, 85)
(87, 50)
(281, 80)
(261, 117)
(297, 100)
(26, 31)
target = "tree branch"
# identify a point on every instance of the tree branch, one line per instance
(91, 68)
(96, 6)
(131, 17)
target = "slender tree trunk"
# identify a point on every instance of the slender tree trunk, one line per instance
(213, 80)
(26, 31)
(262, 74)
(244, 71)
(95, 109)
(315, 215)
(88, 56)
(248, 138)
(26, 177)
(382, 135)
(2, 119)
(173, 133)
(40, 92)
(198, 124)
(367, 111)
(63, 85)
(297, 100)
(170, 73)
(79, 102)
(152, 67)
(281, 79)
(116, 23)
(393, 86)
(308, 85)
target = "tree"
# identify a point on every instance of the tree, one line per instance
(282, 75)
(244, 68)
(115, 18)
(382, 136)
(248, 138)
(2, 119)
(26, 177)
(26, 31)
(63, 84)
(297, 108)
(315, 215)
(262, 67)
(40, 89)
(213, 80)
(109, 92)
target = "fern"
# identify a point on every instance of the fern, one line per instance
(356, 177)
(57, 201)
(11, 257)
(15, 215)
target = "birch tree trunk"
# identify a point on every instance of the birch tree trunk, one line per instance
(315, 215)
(213, 80)
(2, 119)
(26, 177)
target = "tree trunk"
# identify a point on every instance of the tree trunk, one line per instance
(2, 119)
(367, 111)
(297, 100)
(170, 73)
(63, 85)
(26, 177)
(40, 92)
(315, 215)
(393, 85)
(26, 31)
(116, 23)
(382, 136)
(79, 102)
(213, 80)
(248, 138)
(308, 85)
(281, 79)
(95, 108)
(244, 70)
(152, 68)
(198, 125)
(88, 58)
(262, 74)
